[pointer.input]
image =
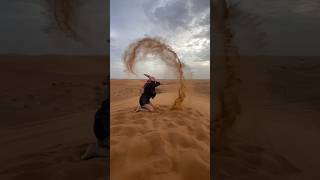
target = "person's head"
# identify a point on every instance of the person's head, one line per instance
(148, 81)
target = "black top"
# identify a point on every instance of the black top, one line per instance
(102, 121)
(150, 88)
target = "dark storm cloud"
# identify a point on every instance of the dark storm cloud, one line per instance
(199, 5)
(172, 15)
(179, 13)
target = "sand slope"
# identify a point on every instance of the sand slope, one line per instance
(166, 144)
(275, 135)
(47, 109)
(50, 149)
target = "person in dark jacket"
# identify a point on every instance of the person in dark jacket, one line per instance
(148, 92)
(101, 130)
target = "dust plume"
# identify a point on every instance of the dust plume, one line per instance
(62, 13)
(137, 51)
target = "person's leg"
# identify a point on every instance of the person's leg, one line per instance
(95, 150)
(102, 122)
(154, 106)
(104, 143)
(101, 131)
(143, 102)
(140, 108)
(149, 107)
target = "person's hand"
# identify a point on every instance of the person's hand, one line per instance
(156, 106)
(150, 77)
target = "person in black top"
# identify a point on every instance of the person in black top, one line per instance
(101, 125)
(101, 129)
(148, 91)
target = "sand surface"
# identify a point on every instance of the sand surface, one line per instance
(47, 107)
(275, 134)
(165, 144)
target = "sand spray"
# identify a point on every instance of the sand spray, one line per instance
(62, 13)
(138, 50)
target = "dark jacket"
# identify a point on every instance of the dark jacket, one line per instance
(102, 121)
(149, 91)
(150, 88)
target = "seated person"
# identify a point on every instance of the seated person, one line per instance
(101, 130)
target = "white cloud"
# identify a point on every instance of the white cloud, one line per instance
(184, 24)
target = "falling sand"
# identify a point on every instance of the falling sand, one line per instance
(138, 50)
(62, 14)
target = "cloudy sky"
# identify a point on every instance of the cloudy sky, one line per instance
(278, 27)
(185, 24)
(24, 23)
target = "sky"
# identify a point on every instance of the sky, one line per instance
(24, 25)
(184, 24)
(268, 27)
(277, 27)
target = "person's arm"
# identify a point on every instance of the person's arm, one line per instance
(153, 79)
(147, 75)
(150, 77)
(157, 83)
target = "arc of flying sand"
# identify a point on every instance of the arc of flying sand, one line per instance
(62, 14)
(226, 55)
(157, 47)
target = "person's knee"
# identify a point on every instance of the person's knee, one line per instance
(148, 107)
(104, 142)
(102, 122)
(151, 108)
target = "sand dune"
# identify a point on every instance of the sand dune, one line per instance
(165, 144)
(47, 112)
(50, 150)
(275, 134)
